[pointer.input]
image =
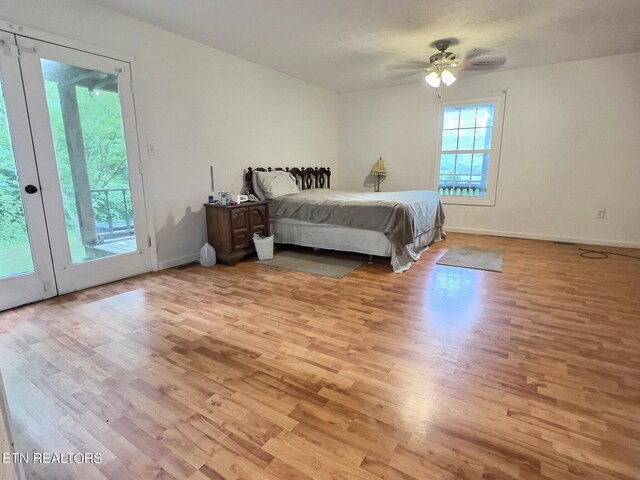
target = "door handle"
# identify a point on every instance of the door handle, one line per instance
(31, 189)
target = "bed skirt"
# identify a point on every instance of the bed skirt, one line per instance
(345, 239)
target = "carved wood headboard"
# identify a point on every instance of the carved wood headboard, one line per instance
(306, 177)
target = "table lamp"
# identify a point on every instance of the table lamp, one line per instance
(379, 170)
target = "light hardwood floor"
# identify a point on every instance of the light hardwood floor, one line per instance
(252, 372)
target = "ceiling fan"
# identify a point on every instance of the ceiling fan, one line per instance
(443, 65)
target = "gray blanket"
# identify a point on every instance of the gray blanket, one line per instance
(401, 216)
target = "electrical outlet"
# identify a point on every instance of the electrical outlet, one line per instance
(600, 213)
(151, 149)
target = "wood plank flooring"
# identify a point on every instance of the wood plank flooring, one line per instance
(250, 372)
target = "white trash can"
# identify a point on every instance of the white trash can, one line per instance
(264, 247)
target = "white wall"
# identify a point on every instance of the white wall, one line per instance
(199, 106)
(570, 145)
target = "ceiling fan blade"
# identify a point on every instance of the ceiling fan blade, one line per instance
(483, 63)
(410, 66)
(401, 76)
(475, 53)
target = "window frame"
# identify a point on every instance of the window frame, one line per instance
(489, 199)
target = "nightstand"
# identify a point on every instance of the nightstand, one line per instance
(230, 228)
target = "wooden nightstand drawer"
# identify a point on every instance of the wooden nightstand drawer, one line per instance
(259, 220)
(258, 215)
(239, 218)
(241, 239)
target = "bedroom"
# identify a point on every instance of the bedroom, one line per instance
(569, 149)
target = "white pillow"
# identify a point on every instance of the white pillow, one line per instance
(276, 184)
(256, 187)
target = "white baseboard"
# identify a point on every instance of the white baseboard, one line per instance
(178, 261)
(551, 238)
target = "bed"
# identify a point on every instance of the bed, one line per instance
(399, 225)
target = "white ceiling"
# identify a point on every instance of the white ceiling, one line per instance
(348, 45)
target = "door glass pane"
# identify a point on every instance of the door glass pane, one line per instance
(15, 249)
(86, 122)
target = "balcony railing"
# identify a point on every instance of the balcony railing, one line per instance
(462, 190)
(112, 208)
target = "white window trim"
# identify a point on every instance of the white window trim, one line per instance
(19, 29)
(496, 146)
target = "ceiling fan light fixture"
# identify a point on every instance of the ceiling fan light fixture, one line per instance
(447, 77)
(433, 79)
(443, 66)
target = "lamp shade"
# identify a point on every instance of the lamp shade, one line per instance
(447, 77)
(379, 168)
(433, 79)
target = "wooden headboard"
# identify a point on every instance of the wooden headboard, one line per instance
(306, 177)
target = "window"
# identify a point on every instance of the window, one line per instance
(469, 150)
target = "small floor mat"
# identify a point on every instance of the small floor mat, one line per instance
(474, 257)
(315, 264)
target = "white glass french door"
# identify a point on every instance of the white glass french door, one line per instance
(81, 144)
(26, 269)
